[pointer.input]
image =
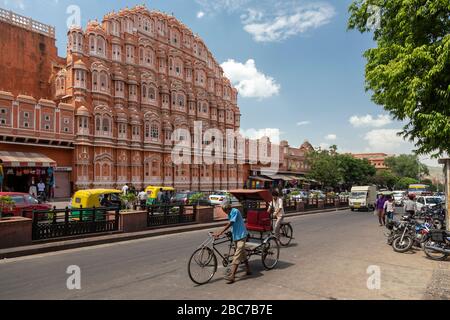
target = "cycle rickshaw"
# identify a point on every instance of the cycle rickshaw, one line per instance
(203, 263)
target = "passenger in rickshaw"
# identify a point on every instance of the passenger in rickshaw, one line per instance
(276, 207)
(239, 234)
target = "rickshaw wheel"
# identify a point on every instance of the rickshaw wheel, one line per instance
(270, 253)
(286, 235)
(205, 261)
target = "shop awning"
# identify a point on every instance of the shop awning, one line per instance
(280, 177)
(259, 178)
(25, 160)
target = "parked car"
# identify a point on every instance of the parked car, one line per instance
(24, 204)
(217, 198)
(190, 198)
(429, 201)
(299, 195)
(440, 195)
(399, 198)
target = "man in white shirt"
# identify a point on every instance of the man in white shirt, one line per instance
(278, 212)
(142, 196)
(41, 189)
(389, 208)
(125, 188)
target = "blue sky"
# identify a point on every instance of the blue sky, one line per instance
(299, 71)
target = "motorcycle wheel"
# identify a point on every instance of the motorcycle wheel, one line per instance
(434, 255)
(402, 246)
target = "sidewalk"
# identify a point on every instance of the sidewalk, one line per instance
(94, 240)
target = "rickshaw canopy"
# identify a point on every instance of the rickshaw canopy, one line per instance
(91, 198)
(257, 195)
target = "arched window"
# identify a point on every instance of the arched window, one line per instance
(104, 83)
(101, 46)
(92, 44)
(106, 125)
(147, 130)
(94, 81)
(152, 93)
(97, 124)
(181, 100)
(144, 92)
(155, 131)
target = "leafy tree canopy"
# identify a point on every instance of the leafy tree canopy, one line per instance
(407, 166)
(408, 71)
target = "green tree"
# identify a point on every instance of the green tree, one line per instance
(355, 171)
(406, 166)
(385, 179)
(323, 168)
(403, 183)
(408, 71)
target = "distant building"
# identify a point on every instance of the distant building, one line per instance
(375, 159)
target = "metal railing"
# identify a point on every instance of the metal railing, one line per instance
(51, 224)
(163, 215)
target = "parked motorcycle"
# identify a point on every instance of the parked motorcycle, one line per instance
(437, 247)
(408, 233)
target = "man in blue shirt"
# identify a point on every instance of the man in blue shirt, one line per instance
(240, 234)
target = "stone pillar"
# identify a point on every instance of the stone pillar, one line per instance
(15, 232)
(133, 221)
(446, 163)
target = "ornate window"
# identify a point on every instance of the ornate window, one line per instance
(116, 52)
(130, 54)
(76, 42)
(115, 28)
(80, 79)
(60, 84)
(155, 131)
(119, 86)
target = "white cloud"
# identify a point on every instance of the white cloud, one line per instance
(303, 123)
(200, 14)
(274, 134)
(331, 137)
(212, 6)
(368, 121)
(324, 146)
(250, 82)
(386, 140)
(287, 22)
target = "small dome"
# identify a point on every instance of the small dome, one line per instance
(82, 111)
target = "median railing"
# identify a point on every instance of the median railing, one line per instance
(162, 215)
(50, 224)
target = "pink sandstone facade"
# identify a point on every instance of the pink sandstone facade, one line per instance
(106, 114)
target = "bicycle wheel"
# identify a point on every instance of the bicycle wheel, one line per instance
(270, 253)
(286, 235)
(202, 266)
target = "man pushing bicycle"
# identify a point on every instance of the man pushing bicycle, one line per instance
(239, 234)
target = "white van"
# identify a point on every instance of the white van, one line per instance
(363, 198)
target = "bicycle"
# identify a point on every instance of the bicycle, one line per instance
(205, 256)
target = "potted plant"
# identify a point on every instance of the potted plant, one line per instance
(128, 200)
(5, 202)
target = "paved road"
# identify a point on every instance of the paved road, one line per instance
(328, 260)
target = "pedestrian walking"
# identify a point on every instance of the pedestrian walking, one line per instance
(380, 209)
(142, 196)
(125, 189)
(389, 209)
(410, 205)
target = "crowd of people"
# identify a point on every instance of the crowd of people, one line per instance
(385, 208)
